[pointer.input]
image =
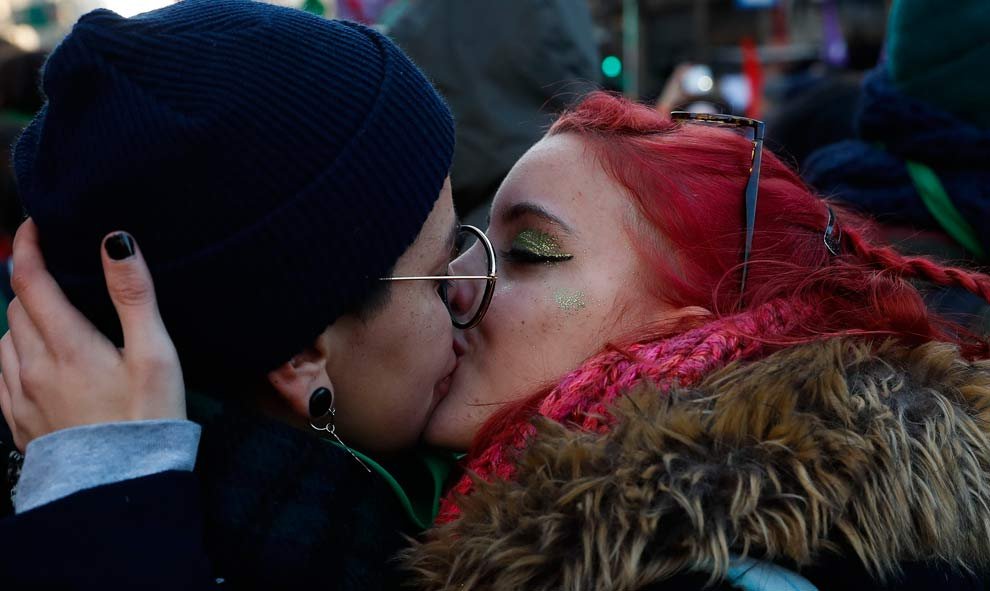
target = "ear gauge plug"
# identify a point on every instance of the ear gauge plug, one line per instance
(321, 418)
(320, 403)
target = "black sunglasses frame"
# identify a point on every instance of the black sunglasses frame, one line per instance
(752, 185)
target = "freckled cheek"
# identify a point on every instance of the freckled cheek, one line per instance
(421, 343)
(525, 334)
(440, 330)
(516, 309)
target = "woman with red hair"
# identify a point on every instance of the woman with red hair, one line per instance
(695, 372)
(794, 417)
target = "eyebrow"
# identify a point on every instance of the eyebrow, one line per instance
(526, 208)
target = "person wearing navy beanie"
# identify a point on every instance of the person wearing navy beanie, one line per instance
(239, 142)
(272, 167)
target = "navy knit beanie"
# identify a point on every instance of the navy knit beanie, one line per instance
(271, 164)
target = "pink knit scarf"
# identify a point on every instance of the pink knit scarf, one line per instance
(582, 397)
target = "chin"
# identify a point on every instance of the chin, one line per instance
(439, 432)
(386, 446)
(392, 434)
(450, 426)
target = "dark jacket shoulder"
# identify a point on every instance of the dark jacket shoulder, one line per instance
(268, 506)
(283, 508)
(144, 533)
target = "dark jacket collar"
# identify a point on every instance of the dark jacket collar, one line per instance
(284, 507)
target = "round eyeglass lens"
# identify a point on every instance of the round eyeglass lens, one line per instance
(468, 297)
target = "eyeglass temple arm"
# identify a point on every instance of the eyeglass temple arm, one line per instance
(439, 277)
(752, 193)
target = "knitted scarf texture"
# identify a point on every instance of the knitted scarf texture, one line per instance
(582, 397)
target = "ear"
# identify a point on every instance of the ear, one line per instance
(297, 379)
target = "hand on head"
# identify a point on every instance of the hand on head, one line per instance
(673, 95)
(59, 371)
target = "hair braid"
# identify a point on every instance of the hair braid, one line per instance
(919, 267)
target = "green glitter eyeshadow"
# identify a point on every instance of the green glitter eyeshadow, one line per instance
(540, 244)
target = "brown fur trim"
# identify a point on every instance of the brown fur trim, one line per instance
(883, 451)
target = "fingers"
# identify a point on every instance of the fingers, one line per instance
(10, 367)
(58, 322)
(9, 384)
(133, 293)
(29, 360)
(27, 340)
(5, 410)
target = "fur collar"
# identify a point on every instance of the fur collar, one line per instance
(877, 452)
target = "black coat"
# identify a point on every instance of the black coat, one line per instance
(267, 507)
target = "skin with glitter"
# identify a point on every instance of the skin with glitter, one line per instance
(570, 301)
(540, 244)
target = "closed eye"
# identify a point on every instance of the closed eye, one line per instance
(522, 256)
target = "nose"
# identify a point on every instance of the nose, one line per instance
(467, 261)
(463, 294)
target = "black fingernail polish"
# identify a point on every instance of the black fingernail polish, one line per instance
(120, 246)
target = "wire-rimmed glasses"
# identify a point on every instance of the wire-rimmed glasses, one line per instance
(467, 297)
(752, 186)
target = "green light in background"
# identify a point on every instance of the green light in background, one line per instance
(314, 6)
(611, 66)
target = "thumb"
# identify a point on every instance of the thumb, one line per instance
(133, 294)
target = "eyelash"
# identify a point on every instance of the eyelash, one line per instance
(525, 257)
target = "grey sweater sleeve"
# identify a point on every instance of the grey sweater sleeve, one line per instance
(68, 461)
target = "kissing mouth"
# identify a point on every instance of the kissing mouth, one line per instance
(460, 344)
(442, 388)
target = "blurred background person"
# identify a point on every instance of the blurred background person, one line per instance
(920, 162)
(801, 75)
(505, 68)
(367, 12)
(20, 98)
(813, 102)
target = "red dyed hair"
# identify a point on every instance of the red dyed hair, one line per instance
(687, 182)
